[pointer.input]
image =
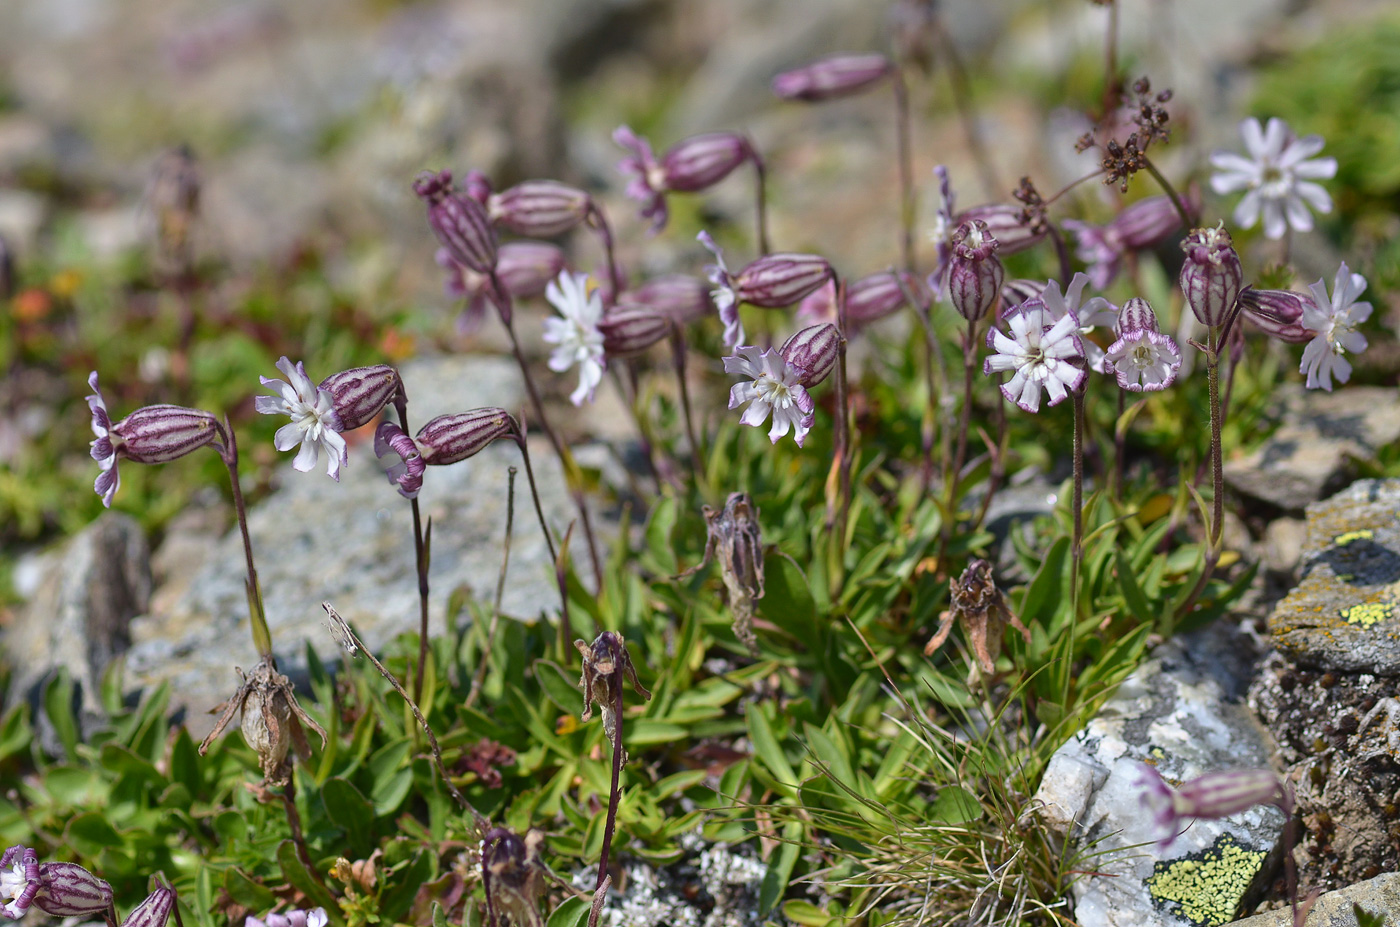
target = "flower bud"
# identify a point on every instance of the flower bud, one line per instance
(1007, 224)
(539, 208)
(680, 297)
(359, 394)
(630, 331)
(1220, 794)
(872, 298)
(975, 274)
(1146, 223)
(69, 890)
(525, 268)
(829, 78)
(407, 474)
(154, 911)
(779, 280)
(1211, 275)
(1136, 315)
(448, 439)
(1016, 292)
(701, 161)
(1277, 313)
(813, 351)
(157, 434)
(458, 221)
(477, 185)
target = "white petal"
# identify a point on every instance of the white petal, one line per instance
(1316, 169)
(306, 457)
(288, 436)
(1298, 215)
(1274, 223)
(1247, 212)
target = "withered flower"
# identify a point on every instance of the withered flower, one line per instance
(272, 721)
(984, 611)
(606, 665)
(513, 877)
(733, 537)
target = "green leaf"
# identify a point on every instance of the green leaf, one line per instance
(395, 900)
(393, 780)
(560, 685)
(242, 889)
(350, 811)
(15, 733)
(58, 705)
(955, 805)
(1045, 594)
(91, 833)
(299, 877)
(780, 865)
(806, 914)
(766, 746)
(1132, 592)
(832, 757)
(572, 913)
(645, 731)
(787, 601)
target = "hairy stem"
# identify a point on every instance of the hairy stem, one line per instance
(1181, 208)
(257, 618)
(953, 474)
(289, 802)
(843, 411)
(1216, 529)
(1112, 85)
(420, 562)
(1077, 541)
(598, 221)
(760, 173)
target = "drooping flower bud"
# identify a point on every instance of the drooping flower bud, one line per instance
(682, 298)
(359, 394)
(1142, 358)
(1145, 224)
(69, 890)
(877, 296)
(690, 165)
(1213, 795)
(1277, 313)
(19, 880)
(477, 185)
(631, 331)
(1211, 275)
(812, 352)
(778, 280)
(1007, 224)
(829, 78)
(975, 274)
(606, 665)
(406, 475)
(154, 911)
(523, 269)
(539, 208)
(458, 221)
(448, 439)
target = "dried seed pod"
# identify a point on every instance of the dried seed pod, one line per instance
(606, 665)
(272, 721)
(984, 611)
(732, 535)
(512, 876)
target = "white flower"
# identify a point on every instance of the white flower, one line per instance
(1097, 311)
(1278, 175)
(1039, 350)
(576, 334)
(725, 294)
(1335, 322)
(314, 420)
(775, 387)
(1144, 360)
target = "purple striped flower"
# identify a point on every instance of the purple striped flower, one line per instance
(1143, 359)
(832, 77)
(1211, 275)
(1042, 353)
(69, 890)
(631, 331)
(680, 297)
(314, 425)
(151, 434)
(772, 387)
(1333, 321)
(458, 221)
(539, 208)
(1277, 313)
(690, 165)
(1213, 795)
(297, 917)
(975, 273)
(359, 394)
(405, 462)
(1007, 224)
(1145, 224)
(812, 352)
(523, 269)
(154, 911)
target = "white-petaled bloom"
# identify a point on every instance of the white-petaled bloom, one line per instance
(725, 295)
(1335, 322)
(314, 420)
(576, 334)
(771, 386)
(1091, 314)
(1143, 358)
(1278, 175)
(1040, 350)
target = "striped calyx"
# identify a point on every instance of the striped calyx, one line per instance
(1211, 276)
(448, 439)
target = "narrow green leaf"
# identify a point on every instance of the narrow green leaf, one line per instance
(299, 877)
(58, 705)
(350, 811)
(780, 865)
(572, 913)
(766, 745)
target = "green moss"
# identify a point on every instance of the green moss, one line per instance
(1206, 888)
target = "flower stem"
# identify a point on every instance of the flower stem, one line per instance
(420, 561)
(598, 221)
(697, 460)
(998, 471)
(566, 458)
(1112, 85)
(257, 618)
(1077, 541)
(906, 171)
(615, 793)
(1216, 529)
(289, 803)
(952, 476)
(1120, 444)
(761, 199)
(844, 449)
(1186, 221)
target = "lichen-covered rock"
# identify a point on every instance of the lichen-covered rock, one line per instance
(1342, 615)
(1180, 712)
(1380, 895)
(1310, 453)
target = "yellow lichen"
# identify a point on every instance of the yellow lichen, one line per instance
(1368, 613)
(1206, 887)
(1342, 540)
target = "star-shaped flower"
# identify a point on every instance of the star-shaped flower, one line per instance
(1335, 320)
(1040, 350)
(1142, 358)
(314, 425)
(772, 387)
(1091, 314)
(576, 333)
(1278, 175)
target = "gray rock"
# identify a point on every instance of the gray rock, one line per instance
(351, 543)
(1308, 456)
(1179, 711)
(1282, 545)
(1380, 895)
(80, 614)
(1342, 614)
